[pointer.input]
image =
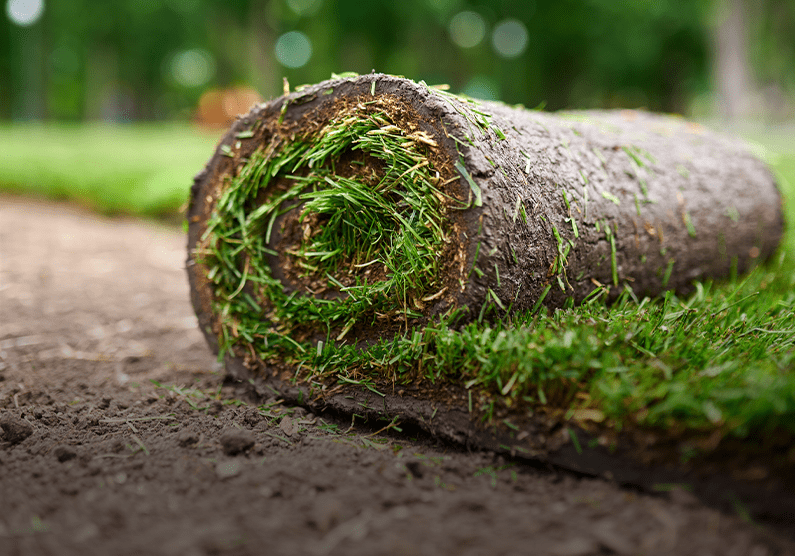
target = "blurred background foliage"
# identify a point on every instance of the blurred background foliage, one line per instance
(116, 104)
(130, 60)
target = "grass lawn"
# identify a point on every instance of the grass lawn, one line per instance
(143, 170)
(721, 359)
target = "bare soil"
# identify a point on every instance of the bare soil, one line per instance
(95, 458)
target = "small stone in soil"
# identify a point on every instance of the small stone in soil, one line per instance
(236, 441)
(15, 429)
(289, 425)
(64, 453)
(227, 469)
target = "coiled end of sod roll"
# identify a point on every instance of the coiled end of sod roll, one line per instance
(330, 216)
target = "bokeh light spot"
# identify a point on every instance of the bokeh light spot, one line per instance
(193, 68)
(509, 38)
(304, 7)
(482, 87)
(24, 12)
(467, 29)
(293, 49)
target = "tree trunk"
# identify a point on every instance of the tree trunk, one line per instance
(733, 72)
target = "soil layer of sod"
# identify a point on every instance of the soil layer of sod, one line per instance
(348, 239)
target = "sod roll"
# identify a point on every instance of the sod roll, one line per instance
(362, 208)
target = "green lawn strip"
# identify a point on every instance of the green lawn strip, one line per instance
(722, 358)
(140, 169)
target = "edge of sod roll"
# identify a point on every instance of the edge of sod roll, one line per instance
(383, 248)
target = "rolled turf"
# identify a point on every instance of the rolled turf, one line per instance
(357, 209)
(343, 234)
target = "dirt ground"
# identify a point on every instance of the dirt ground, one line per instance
(96, 458)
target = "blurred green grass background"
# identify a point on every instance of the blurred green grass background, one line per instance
(142, 169)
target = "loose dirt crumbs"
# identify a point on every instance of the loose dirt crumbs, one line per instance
(118, 435)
